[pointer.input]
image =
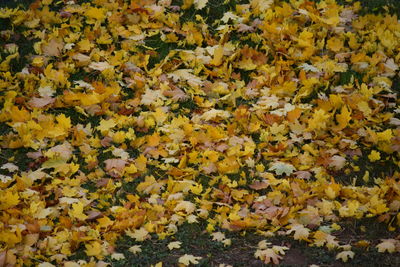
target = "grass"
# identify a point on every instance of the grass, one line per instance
(241, 253)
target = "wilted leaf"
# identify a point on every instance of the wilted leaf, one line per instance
(345, 255)
(174, 245)
(282, 168)
(189, 259)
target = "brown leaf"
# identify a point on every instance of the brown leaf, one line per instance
(258, 185)
(302, 175)
(102, 182)
(93, 215)
(37, 102)
(118, 164)
(53, 48)
(106, 141)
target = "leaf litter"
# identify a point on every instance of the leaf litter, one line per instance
(247, 124)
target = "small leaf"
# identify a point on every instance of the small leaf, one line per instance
(135, 249)
(345, 255)
(189, 259)
(174, 245)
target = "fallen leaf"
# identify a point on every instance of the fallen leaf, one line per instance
(189, 259)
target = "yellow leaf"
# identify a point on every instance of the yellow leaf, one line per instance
(94, 249)
(77, 211)
(189, 259)
(218, 54)
(8, 200)
(366, 177)
(117, 256)
(345, 255)
(218, 236)
(335, 44)
(374, 156)
(385, 136)
(95, 13)
(186, 206)
(318, 120)
(300, 232)
(200, 4)
(364, 108)
(84, 46)
(106, 125)
(141, 162)
(387, 245)
(130, 169)
(343, 118)
(135, 249)
(173, 245)
(330, 192)
(104, 222)
(138, 234)
(267, 256)
(64, 122)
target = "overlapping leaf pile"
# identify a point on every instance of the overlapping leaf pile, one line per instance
(131, 118)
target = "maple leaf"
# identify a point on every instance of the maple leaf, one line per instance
(140, 234)
(10, 167)
(100, 66)
(218, 54)
(188, 259)
(36, 102)
(227, 242)
(186, 206)
(135, 249)
(282, 168)
(82, 58)
(106, 125)
(308, 67)
(117, 256)
(214, 113)
(300, 232)
(152, 97)
(218, 236)
(115, 164)
(174, 245)
(8, 199)
(186, 75)
(388, 245)
(374, 156)
(263, 244)
(261, 5)
(200, 4)
(77, 211)
(345, 255)
(280, 249)
(95, 13)
(53, 47)
(343, 118)
(337, 162)
(259, 185)
(302, 174)
(94, 249)
(149, 185)
(318, 120)
(267, 256)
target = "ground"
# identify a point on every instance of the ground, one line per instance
(194, 238)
